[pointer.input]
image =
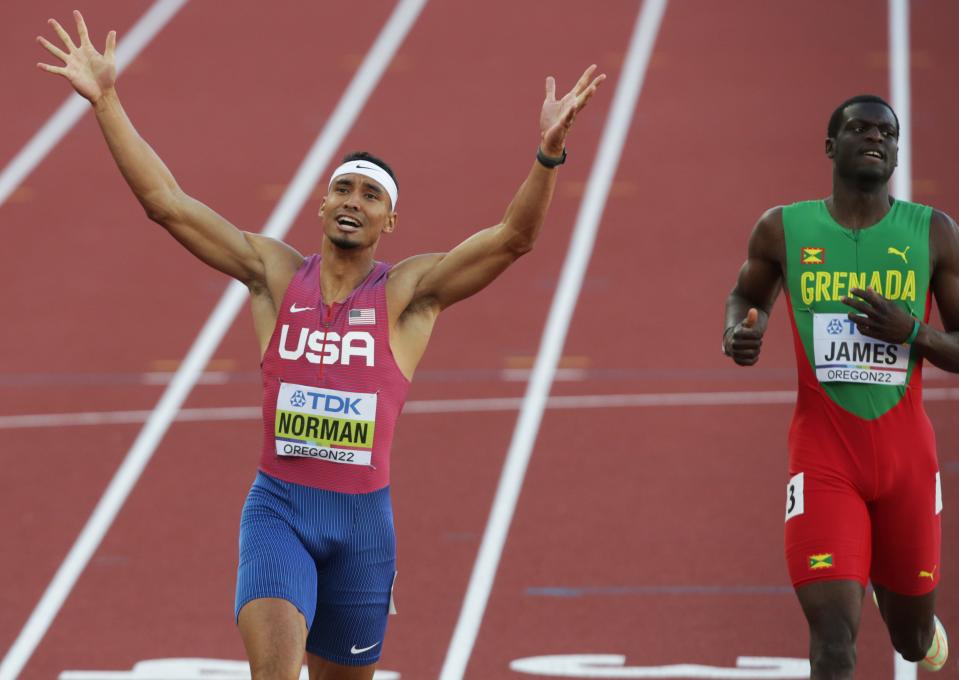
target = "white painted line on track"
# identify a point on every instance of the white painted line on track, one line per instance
(554, 337)
(901, 99)
(438, 406)
(75, 106)
(307, 175)
(899, 93)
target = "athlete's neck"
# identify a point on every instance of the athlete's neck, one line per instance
(858, 207)
(342, 270)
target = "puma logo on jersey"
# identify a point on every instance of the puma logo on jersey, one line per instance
(328, 347)
(900, 253)
(931, 575)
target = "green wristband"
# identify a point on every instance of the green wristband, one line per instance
(912, 336)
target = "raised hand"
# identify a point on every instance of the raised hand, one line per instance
(558, 114)
(744, 340)
(878, 317)
(89, 72)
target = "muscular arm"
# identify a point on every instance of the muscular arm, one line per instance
(201, 230)
(438, 281)
(942, 347)
(477, 261)
(758, 285)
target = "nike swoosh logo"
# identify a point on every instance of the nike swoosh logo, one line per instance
(364, 167)
(354, 650)
(294, 309)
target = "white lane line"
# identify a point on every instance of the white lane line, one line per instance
(347, 110)
(554, 336)
(436, 406)
(901, 98)
(75, 106)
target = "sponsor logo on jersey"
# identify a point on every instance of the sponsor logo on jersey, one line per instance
(327, 347)
(901, 253)
(824, 286)
(931, 575)
(813, 256)
(821, 561)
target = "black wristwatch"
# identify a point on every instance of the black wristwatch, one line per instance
(550, 161)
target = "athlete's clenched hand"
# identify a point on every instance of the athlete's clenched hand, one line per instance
(743, 341)
(89, 72)
(878, 317)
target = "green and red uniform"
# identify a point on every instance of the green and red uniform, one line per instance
(863, 500)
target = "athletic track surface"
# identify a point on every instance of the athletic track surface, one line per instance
(649, 531)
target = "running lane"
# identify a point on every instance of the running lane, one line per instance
(656, 533)
(98, 296)
(934, 54)
(461, 131)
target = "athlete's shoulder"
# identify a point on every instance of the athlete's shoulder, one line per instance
(414, 267)
(771, 221)
(274, 251)
(767, 240)
(944, 239)
(942, 221)
(280, 262)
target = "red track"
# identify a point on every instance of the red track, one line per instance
(664, 502)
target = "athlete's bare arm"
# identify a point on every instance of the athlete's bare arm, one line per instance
(760, 280)
(942, 347)
(422, 286)
(262, 264)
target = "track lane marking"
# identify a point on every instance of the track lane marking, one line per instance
(553, 339)
(901, 99)
(900, 95)
(347, 110)
(72, 110)
(437, 406)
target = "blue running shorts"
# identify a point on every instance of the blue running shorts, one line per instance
(332, 555)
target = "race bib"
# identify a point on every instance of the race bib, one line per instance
(843, 354)
(795, 503)
(325, 424)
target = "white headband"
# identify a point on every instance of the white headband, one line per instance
(374, 172)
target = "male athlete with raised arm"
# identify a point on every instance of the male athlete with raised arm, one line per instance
(863, 500)
(340, 338)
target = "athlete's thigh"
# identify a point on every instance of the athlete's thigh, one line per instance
(354, 588)
(274, 635)
(827, 534)
(273, 561)
(907, 528)
(832, 608)
(322, 669)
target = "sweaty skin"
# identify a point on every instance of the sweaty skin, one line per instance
(864, 154)
(355, 213)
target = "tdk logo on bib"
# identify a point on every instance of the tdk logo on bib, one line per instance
(325, 402)
(328, 348)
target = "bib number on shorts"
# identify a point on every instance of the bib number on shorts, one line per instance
(325, 424)
(843, 354)
(795, 505)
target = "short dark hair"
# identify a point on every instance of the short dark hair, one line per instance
(835, 120)
(370, 158)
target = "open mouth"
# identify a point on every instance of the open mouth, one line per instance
(348, 223)
(874, 153)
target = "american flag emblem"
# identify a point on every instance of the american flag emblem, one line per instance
(363, 317)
